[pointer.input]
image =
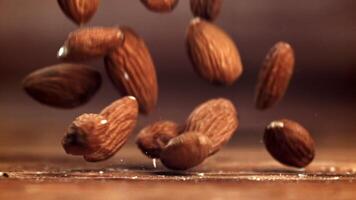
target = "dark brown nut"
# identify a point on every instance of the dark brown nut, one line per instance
(89, 43)
(80, 11)
(213, 53)
(161, 6)
(98, 137)
(275, 76)
(186, 151)
(153, 138)
(133, 72)
(217, 119)
(289, 143)
(63, 85)
(207, 9)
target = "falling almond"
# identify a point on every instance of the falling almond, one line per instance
(132, 70)
(213, 53)
(79, 11)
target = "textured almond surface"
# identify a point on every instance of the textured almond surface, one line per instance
(160, 5)
(84, 135)
(132, 70)
(207, 9)
(289, 143)
(80, 11)
(186, 151)
(275, 75)
(153, 138)
(213, 53)
(217, 119)
(98, 137)
(63, 85)
(88, 43)
(121, 117)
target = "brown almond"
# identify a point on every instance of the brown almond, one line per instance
(213, 53)
(88, 43)
(275, 75)
(98, 137)
(186, 151)
(63, 85)
(79, 11)
(206, 9)
(132, 70)
(289, 143)
(161, 6)
(217, 119)
(153, 138)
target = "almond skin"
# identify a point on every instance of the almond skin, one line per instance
(186, 151)
(206, 9)
(89, 43)
(213, 53)
(161, 6)
(79, 11)
(289, 143)
(217, 119)
(63, 85)
(153, 138)
(133, 72)
(275, 75)
(98, 137)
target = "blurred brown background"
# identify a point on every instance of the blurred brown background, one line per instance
(321, 95)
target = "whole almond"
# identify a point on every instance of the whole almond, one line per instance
(132, 70)
(99, 136)
(289, 143)
(186, 151)
(275, 75)
(63, 85)
(217, 119)
(213, 53)
(206, 9)
(161, 6)
(80, 11)
(153, 138)
(88, 43)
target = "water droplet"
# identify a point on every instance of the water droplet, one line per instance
(154, 163)
(201, 174)
(126, 76)
(104, 121)
(332, 169)
(302, 175)
(62, 52)
(101, 172)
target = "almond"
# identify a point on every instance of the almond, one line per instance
(132, 70)
(80, 11)
(63, 85)
(217, 119)
(160, 5)
(275, 75)
(88, 43)
(186, 151)
(99, 136)
(153, 138)
(289, 143)
(213, 53)
(206, 9)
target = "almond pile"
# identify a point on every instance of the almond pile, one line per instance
(206, 130)
(97, 137)
(129, 64)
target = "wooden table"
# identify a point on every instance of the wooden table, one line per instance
(234, 173)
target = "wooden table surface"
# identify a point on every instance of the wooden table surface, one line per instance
(234, 173)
